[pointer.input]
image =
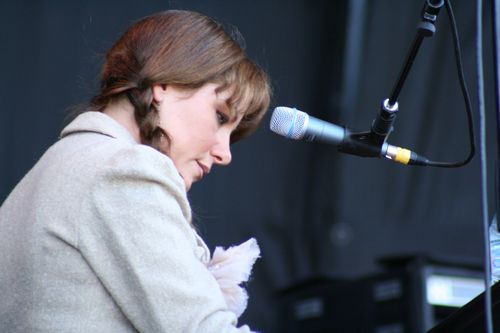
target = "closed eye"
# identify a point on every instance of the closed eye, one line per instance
(222, 118)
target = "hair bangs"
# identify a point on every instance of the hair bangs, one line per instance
(250, 96)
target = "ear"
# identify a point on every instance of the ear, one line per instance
(158, 92)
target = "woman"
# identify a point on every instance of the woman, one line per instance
(97, 237)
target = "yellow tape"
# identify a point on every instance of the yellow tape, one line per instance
(403, 155)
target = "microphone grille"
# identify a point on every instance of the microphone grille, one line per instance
(289, 122)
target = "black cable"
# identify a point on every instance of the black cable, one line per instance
(465, 93)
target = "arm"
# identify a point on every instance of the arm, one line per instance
(142, 248)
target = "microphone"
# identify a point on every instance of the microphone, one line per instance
(294, 124)
(298, 125)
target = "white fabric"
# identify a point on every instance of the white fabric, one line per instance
(231, 268)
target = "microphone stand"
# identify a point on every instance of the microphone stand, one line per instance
(373, 143)
(496, 64)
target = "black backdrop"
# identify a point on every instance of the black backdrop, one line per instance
(314, 211)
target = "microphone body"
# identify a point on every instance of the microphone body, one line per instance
(294, 124)
(322, 131)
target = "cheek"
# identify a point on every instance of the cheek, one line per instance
(191, 135)
(191, 144)
(203, 144)
(204, 136)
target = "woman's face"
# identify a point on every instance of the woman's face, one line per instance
(199, 125)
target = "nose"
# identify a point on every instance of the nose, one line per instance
(221, 151)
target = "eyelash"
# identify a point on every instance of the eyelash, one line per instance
(222, 118)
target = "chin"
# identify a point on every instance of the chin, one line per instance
(187, 181)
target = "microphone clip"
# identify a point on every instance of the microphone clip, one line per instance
(382, 125)
(372, 143)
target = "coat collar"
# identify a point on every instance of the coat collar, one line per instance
(97, 122)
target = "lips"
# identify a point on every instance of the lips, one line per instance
(204, 170)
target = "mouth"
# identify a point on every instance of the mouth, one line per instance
(204, 170)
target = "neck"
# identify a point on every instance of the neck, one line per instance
(122, 111)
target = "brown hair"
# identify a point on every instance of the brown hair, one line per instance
(188, 50)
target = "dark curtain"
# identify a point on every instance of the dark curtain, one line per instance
(375, 208)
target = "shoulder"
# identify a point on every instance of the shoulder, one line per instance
(139, 170)
(136, 191)
(143, 162)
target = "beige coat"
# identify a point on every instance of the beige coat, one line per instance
(97, 238)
